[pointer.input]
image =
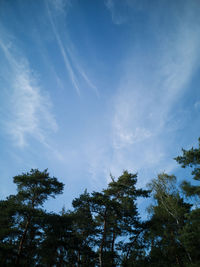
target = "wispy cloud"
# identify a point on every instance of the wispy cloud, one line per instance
(197, 105)
(144, 104)
(64, 54)
(121, 11)
(61, 5)
(179, 63)
(72, 65)
(116, 18)
(30, 114)
(87, 80)
(145, 118)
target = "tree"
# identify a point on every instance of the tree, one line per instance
(190, 236)
(102, 210)
(85, 230)
(167, 222)
(116, 215)
(9, 231)
(191, 231)
(191, 158)
(125, 194)
(34, 188)
(58, 240)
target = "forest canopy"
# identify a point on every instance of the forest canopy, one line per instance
(104, 228)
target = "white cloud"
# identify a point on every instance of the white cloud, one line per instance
(60, 5)
(120, 9)
(87, 80)
(117, 17)
(143, 103)
(64, 54)
(180, 62)
(72, 65)
(124, 135)
(30, 114)
(197, 105)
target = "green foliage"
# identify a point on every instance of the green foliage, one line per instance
(21, 216)
(104, 228)
(190, 236)
(35, 187)
(191, 158)
(167, 222)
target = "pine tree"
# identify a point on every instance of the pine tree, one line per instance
(23, 214)
(191, 232)
(191, 158)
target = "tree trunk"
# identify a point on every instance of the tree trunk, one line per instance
(102, 242)
(78, 258)
(112, 249)
(22, 242)
(177, 260)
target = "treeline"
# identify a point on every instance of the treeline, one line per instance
(104, 228)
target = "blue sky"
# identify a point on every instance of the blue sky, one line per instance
(93, 87)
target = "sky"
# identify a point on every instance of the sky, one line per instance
(90, 88)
